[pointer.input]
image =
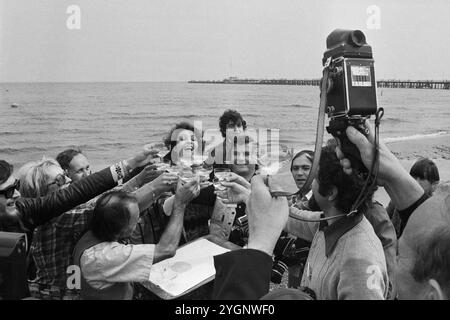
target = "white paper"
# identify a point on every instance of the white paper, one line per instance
(192, 264)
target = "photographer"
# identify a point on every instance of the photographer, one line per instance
(345, 250)
(423, 266)
(348, 246)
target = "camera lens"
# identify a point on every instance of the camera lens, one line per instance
(357, 38)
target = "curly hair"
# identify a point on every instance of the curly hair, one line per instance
(170, 140)
(230, 116)
(332, 175)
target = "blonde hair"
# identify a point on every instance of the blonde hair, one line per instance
(34, 178)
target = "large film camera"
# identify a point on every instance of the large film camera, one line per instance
(351, 87)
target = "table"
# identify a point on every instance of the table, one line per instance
(203, 292)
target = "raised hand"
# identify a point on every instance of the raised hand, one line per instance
(267, 216)
(389, 167)
(142, 158)
(403, 189)
(186, 192)
(165, 182)
(148, 174)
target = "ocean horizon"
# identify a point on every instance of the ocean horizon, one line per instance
(110, 121)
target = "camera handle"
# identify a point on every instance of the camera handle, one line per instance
(337, 128)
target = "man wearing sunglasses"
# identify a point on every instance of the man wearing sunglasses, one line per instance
(18, 214)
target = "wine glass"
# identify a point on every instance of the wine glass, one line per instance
(186, 175)
(203, 172)
(272, 163)
(163, 150)
(220, 175)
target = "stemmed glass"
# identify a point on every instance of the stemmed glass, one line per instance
(203, 172)
(271, 164)
(163, 150)
(220, 175)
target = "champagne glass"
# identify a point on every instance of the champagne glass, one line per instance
(272, 163)
(203, 172)
(186, 175)
(163, 150)
(220, 175)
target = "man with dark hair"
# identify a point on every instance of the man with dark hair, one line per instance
(74, 163)
(426, 173)
(346, 259)
(422, 269)
(231, 120)
(231, 126)
(108, 267)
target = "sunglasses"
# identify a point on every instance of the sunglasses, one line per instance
(9, 192)
(60, 180)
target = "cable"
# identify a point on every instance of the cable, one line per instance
(319, 136)
(373, 172)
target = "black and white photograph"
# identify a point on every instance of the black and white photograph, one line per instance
(196, 151)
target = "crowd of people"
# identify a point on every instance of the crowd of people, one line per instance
(116, 223)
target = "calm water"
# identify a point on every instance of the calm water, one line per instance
(110, 121)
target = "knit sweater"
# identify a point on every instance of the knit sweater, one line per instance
(345, 262)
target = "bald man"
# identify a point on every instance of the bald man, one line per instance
(423, 262)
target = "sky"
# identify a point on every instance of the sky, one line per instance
(180, 40)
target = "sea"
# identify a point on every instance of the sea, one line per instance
(112, 121)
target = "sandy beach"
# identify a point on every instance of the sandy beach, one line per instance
(436, 148)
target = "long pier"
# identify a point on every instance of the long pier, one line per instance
(413, 84)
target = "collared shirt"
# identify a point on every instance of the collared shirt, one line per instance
(333, 232)
(346, 259)
(53, 244)
(109, 262)
(347, 262)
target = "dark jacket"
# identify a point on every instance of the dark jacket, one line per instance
(242, 274)
(34, 212)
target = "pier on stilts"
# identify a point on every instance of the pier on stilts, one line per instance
(412, 84)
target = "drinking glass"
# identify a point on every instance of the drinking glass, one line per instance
(163, 150)
(220, 175)
(186, 175)
(203, 172)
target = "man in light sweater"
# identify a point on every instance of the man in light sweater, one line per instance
(346, 259)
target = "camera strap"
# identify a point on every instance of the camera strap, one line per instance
(320, 129)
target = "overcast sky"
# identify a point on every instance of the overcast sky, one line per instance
(179, 40)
